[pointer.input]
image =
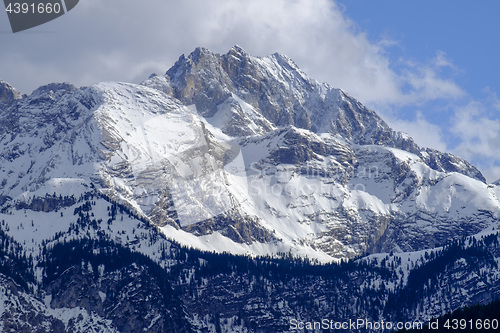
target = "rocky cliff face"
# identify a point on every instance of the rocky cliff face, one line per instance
(242, 154)
(279, 116)
(275, 89)
(8, 94)
(237, 155)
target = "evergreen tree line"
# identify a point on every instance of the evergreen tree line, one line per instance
(344, 289)
(470, 319)
(426, 279)
(14, 263)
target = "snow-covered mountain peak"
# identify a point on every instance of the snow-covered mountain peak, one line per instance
(8, 93)
(248, 95)
(244, 154)
(238, 154)
(274, 86)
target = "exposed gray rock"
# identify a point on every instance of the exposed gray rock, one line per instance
(268, 159)
(8, 94)
(283, 95)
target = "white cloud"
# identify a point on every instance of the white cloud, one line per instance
(441, 60)
(425, 133)
(479, 134)
(426, 85)
(125, 40)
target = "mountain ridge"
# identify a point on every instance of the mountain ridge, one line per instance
(294, 164)
(230, 70)
(234, 194)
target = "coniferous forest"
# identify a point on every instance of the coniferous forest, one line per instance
(188, 288)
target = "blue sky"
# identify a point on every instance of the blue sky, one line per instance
(429, 68)
(463, 30)
(462, 35)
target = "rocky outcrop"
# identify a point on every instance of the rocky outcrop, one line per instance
(244, 150)
(280, 95)
(8, 94)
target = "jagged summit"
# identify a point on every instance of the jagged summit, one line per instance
(242, 154)
(246, 95)
(8, 93)
(54, 88)
(238, 154)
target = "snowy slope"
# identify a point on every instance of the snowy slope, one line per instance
(242, 154)
(23, 311)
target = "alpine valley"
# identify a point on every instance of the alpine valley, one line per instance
(231, 194)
